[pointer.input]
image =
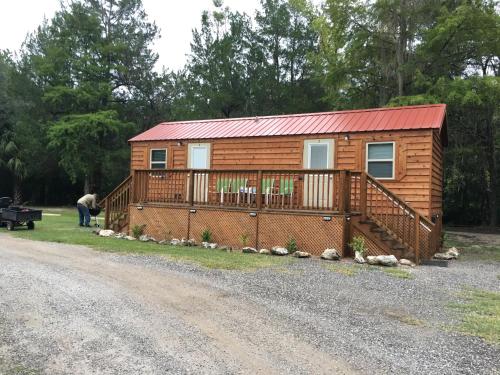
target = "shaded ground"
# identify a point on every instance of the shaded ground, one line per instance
(69, 309)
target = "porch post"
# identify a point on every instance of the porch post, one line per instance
(133, 197)
(362, 195)
(191, 188)
(106, 213)
(417, 237)
(344, 191)
(258, 192)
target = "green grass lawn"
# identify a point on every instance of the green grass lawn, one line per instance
(472, 251)
(398, 273)
(480, 311)
(61, 225)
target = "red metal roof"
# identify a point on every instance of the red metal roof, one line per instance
(377, 119)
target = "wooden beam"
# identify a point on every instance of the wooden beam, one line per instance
(259, 190)
(363, 188)
(417, 237)
(191, 188)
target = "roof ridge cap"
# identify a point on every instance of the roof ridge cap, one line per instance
(165, 123)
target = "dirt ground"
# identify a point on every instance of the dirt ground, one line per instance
(71, 310)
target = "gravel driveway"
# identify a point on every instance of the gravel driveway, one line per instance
(71, 310)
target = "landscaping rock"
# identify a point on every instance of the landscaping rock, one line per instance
(301, 254)
(146, 238)
(175, 241)
(387, 260)
(383, 260)
(209, 245)
(358, 258)
(96, 231)
(130, 238)
(444, 256)
(406, 262)
(191, 242)
(106, 233)
(265, 251)
(330, 254)
(249, 250)
(453, 252)
(120, 235)
(163, 242)
(277, 250)
(184, 242)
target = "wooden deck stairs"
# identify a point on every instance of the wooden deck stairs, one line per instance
(116, 206)
(386, 243)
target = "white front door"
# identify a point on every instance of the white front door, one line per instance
(318, 187)
(199, 158)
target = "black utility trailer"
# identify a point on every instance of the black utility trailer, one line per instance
(15, 216)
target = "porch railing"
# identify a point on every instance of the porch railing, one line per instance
(320, 191)
(310, 190)
(116, 203)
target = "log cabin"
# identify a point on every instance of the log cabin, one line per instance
(317, 178)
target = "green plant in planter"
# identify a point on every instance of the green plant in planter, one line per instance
(206, 235)
(291, 245)
(138, 230)
(358, 244)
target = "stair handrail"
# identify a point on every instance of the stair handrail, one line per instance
(113, 192)
(112, 216)
(421, 221)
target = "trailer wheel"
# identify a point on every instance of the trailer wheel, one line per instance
(30, 225)
(10, 225)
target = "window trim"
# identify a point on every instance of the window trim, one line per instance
(393, 160)
(151, 162)
(208, 146)
(307, 151)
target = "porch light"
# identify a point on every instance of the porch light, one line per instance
(346, 137)
(253, 214)
(327, 218)
(140, 207)
(179, 144)
(193, 211)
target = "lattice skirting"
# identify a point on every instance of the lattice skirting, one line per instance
(161, 222)
(312, 233)
(228, 227)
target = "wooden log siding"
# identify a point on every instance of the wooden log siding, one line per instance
(436, 203)
(418, 158)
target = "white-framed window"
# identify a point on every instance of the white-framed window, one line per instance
(380, 160)
(158, 158)
(318, 154)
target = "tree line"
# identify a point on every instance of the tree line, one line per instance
(85, 81)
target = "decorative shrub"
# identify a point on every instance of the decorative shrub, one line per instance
(291, 245)
(358, 244)
(138, 230)
(206, 235)
(244, 239)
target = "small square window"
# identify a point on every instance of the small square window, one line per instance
(158, 159)
(380, 159)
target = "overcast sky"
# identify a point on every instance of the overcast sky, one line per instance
(176, 19)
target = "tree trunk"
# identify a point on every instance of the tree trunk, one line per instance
(16, 191)
(492, 175)
(401, 48)
(86, 185)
